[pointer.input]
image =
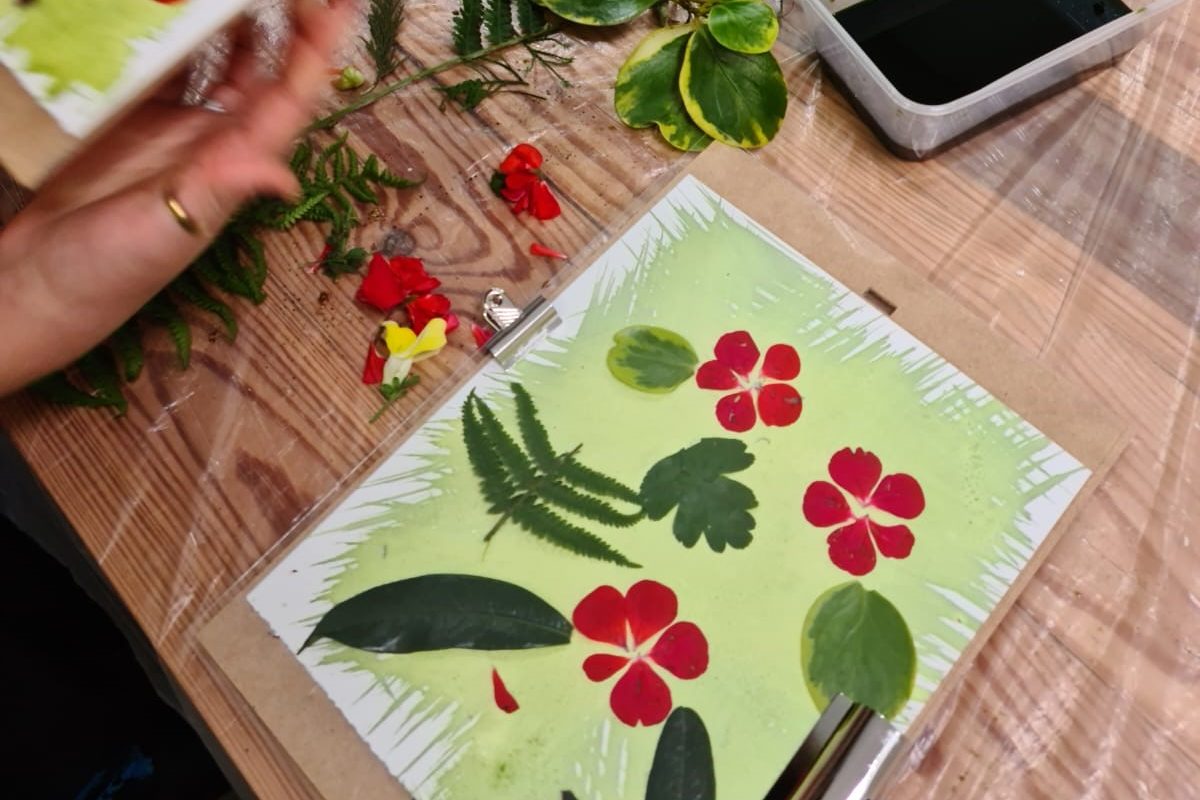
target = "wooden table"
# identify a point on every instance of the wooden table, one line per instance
(1073, 229)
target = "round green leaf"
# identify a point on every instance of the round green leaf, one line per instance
(747, 26)
(736, 98)
(647, 91)
(856, 643)
(597, 12)
(651, 359)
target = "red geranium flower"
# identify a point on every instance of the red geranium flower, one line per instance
(519, 182)
(427, 307)
(736, 357)
(388, 283)
(636, 624)
(852, 547)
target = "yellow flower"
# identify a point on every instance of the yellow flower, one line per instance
(406, 348)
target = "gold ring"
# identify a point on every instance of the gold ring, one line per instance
(181, 215)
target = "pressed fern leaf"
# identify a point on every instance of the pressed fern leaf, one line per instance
(126, 344)
(188, 288)
(498, 20)
(529, 17)
(57, 388)
(383, 27)
(99, 371)
(161, 311)
(524, 484)
(467, 28)
(595, 482)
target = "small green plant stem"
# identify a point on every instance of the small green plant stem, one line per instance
(367, 98)
(533, 490)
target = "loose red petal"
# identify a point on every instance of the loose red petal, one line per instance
(899, 494)
(735, 412)
(373, 369)
(536, 249)
(894, 541)
(715, 375)
(520, 182)
(504, 699)
(601, 616)
(781, 363)
(451, 321)
(412, 275)
(603, 666)
(542, 202)
(850, 548)
(779, 404)
(480, 334)
(641, 696)
(523, 156)
(682, 651)
(825, 505)
(425, 308)
(519, 203)
(856, 471)
(649, 607)
(737, 351)
(379, 287)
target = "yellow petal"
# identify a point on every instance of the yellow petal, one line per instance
(397, 339)
(431, 340)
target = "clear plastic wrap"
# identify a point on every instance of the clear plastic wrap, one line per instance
(1072, 228)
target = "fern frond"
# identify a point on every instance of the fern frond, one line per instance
(187, 287)
(515, 461)
(161, 311)
(533, 433)
(529, 17)
(297, 212)
(543, 523)
(498, 21)
(99, 371)
(57, 388)
(467, 29)
(588, 479)
(486, 463)
(560, 494)
(383, 28)
(126, 343)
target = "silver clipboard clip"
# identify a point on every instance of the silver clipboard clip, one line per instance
(844, 757)
(515, 329)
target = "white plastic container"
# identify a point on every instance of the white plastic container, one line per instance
(917, 130)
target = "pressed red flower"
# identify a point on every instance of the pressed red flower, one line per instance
(519, 182)
(373, 368)
(857, 472)
(639, 625)
(411, 274)
(736, 357)
(428, 306)
(379, 287)
(504, 699)
(524, 157)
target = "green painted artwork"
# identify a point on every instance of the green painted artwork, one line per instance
(639, 563)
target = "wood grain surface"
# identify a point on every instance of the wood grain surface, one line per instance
(1072, 229)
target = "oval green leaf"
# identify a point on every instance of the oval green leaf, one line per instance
(736, 98)
(683, 760)
(651, 359)
(856, 643)
(597, 12)
(747, 26)
(441, 612)
(647, 91)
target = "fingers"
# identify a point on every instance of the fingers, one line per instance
(242, 73)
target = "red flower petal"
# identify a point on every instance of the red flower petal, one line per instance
(517, 204)
(850, 548)
(451, 321)
(682, 651)
(825, 505)
(715, 375)
(380, 288)
(425, 308)
(601, 616)
(899, 494)
(641, 696)
(894, 541)
(781, 363)
(735, 412)
(412, 275)
(856, 471)
(504, 699)
(737, 351)
(523, 156)
(603, 666)
(373, 369)
(650, 607)
(542, 203)
(779, 404)
(519, 182)
(536, 249)
(480, 334)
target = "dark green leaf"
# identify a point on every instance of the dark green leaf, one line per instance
(597, 12)
(98, 370)
(187, 287)
(683, 760)
(545, 524)
(498, 19)
(467, 29)
(383, 27)
(709, 503)
(57, 388)
(568, 499)
(736, 98)
(442, 612)
(161, 311)
(485, 461)
(529, 17)
(533, 433)
(588, 479)
(515, 461)
(856, 643)
(126, 343)
(651, 359)
(568, 796)
(647, 90)
(747, 26)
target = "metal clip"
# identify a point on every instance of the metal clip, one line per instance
(515, 328)
(844, 757)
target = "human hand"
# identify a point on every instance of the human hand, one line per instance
(98, 240)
